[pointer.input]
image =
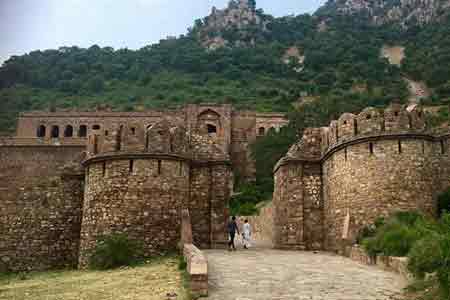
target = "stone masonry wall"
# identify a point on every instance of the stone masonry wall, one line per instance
(140, 197)
(222, 187)
(209, 193)
(373, 179)
(200, 206)
(40, 208)
(298, 220)
(235, 130)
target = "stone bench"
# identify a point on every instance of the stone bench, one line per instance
(197, 268)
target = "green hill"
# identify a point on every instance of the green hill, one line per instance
(313, 67)
(341, 61)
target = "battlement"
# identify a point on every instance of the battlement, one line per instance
(164, 137)
(395, 119)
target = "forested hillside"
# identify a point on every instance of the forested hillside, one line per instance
(341, 61)
(313, 67)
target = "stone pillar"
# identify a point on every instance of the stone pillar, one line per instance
(220, 194)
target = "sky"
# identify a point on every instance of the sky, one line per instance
(27, 25)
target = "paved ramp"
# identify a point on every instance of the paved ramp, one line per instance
(266, 274)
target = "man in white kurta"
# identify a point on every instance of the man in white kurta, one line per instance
(246, 234)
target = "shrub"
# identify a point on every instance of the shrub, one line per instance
(114, 251)
(431, 255)
(396, 236)
(444, 202)
(369, 230)
(182, 264)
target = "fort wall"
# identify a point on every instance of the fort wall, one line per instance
(298, 207)
(41, 199)
(373, 179)
(70, 177)
(140, 197)
(372, 164)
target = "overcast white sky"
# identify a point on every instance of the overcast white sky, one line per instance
(27, 25)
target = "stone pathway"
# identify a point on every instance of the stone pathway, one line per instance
(266, 274)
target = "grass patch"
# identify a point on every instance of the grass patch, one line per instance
(150, 281)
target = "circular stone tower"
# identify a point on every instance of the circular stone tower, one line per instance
(338, 179)
(136, 182)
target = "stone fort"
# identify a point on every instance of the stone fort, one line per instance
(68, 178)
(337, 179)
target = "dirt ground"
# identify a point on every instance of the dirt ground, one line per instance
(394, 54)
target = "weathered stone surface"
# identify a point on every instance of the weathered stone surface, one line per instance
(186, 229)
(140, 170)
(338, 179)
(235, 130)
(388, 263)
(261, 225)
(40, 207)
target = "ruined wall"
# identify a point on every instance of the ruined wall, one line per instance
(233, 131)
(140, 197)
(40, 207)
(29, 123)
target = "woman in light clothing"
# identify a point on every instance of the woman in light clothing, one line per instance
(246, 234)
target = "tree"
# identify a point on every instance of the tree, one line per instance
(95, 84)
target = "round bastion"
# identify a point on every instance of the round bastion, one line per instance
(137, 180)
(376, 163)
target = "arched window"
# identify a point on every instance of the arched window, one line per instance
(41, 131)
(261, 131)
(82, 132)
(211, 128)
(96, 127)
(55, 132)
(68, 132)
(272, 130)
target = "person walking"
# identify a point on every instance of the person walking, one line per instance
(246, 234)
(232, 229)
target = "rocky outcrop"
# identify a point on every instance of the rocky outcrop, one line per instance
(403, 12)
(240, 15)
